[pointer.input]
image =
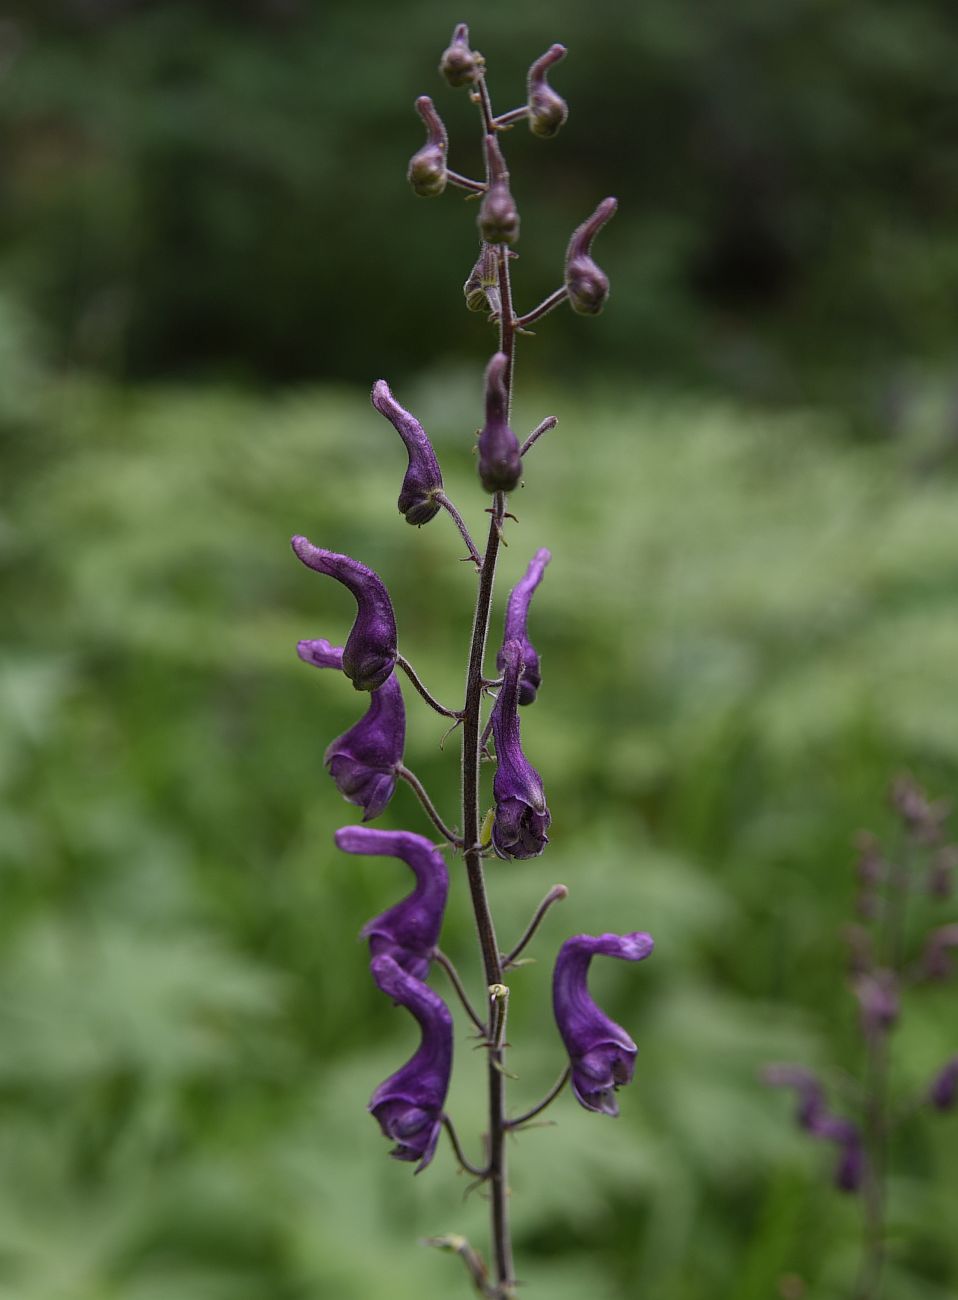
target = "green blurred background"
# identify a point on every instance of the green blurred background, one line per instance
(208, 252)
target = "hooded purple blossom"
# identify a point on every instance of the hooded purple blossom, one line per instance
(500, 465)
(944, 1086)
(417, 499)
(547, 110)
(498, 218)
(363, 760)
(586, 284)
(369, 654)
(409, 931)
(517, 614)
(427, 167)
(601, 1053)
(813, 1116)
(408, 1105)
(522, 817)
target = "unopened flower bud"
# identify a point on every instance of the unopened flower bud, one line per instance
(423, 479)
(586, 284)
(500, 465)
(459, 64)
(498, 215)
(516, 626)
(427, 167)
(481, 288)
(547, 110)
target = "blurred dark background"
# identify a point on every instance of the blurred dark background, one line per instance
(208, 251)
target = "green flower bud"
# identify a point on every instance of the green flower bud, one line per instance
(481, 289)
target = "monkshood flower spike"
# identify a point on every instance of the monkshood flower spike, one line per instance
(363, 761)
(515, 629)
(369, 654)
(522, 817)
(423, 479)
(601, 1053)
(586, 284)
(500, 464)
(409, 931)
(409, 1104)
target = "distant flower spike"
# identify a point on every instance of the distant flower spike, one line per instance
(409, 1104)
(423, 480)
(369, 654)
(601, 1053)
(517, 615)
(586, 284)
(500, 464)
(427, 167)
(498, 215)
(547, 110)
(409, 931)
(459, 64)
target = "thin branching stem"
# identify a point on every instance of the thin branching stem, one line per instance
(548, 423)
(547, 1100)
(433, 703)
(555, 895)
(456, 981)
(464, 183)
(422, 795)
(467, 1164)
(514, 115)
(548, 304)
(460, 523)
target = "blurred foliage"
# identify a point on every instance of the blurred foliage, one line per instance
(211, 186)
(748, 626)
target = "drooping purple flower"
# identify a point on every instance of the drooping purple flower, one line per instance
(363, 760)
(547, 110)
(814, 1117)
(409, 931)
(427, 167)
(500, 465)
(498, 218)
(517, 615)
(417, 498)
(937, 962)
(586, 284)
(944, 1086)
(601, 1053)
(369, 654)
(522, 816)
(408, 1105)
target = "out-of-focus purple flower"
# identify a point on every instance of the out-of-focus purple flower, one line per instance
(922, 818)
(498, 218)
(459, 64)
(944, 1086)
(408, 1105)
(409, 931)
(813, 1116)
(417, 499)
(547, 110)
(369, 654)
(942, 871)
(937, 962)
(601, 1053)
(517, 616)
(878, 999)
(586, 284)
(363, 760)
(427, 167)
(522, 816)
(500, 465)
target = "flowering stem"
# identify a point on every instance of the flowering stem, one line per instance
(876, 1143)
(430, 808)
(433, 703)
(469, 1167)
(548, 423)
(555, 895)
(456, 982)
(548, 304)
(547, 1100)
(460, 523)
(464, 183)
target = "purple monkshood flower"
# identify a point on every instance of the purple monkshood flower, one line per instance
(586, 283)
(408, 1105)
(417, 499)
(601, 1053)
(547, 110)
(363, 760)
(369, 654)
(517, 615)
(522, 817)
(409, 931)
(813, 1116)
(500, 465)
(944, 1086)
